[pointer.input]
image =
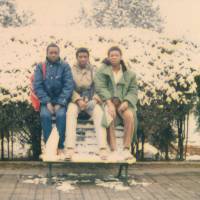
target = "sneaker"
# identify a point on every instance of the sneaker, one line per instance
(69, 153)
(103, 154)
(127, 154)
(115, 156)
(61, 154)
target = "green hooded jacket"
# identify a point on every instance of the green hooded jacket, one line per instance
(126, 90)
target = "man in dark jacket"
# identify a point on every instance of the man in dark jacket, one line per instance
(54, 93)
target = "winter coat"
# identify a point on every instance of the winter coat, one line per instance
(58, 85)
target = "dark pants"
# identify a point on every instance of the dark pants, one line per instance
(46, 121)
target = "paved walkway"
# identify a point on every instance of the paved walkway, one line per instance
(148, 181)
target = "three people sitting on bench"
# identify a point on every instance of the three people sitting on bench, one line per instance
(108, 95)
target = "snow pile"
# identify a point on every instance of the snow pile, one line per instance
(116, 185)
(193, 157)
(37, 180)
(65, 186)
(144, 184)
(150, 151)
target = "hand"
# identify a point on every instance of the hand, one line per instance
(82, 104)
(57, 107)
(123, 106)
(50, 108)
(111, 109)
(97, 99)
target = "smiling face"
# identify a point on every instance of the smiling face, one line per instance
(82, 59)
(53, 54)
(114, 57)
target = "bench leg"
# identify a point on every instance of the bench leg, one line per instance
(120, 171)
(126, 175)
(49, 175)
(125, 178)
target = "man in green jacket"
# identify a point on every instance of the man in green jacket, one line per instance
(117, 88)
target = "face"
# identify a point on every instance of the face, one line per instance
(114, 57)
(83, 59)
(53, 54)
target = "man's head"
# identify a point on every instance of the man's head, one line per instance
(53, 52)
(114, 55)
(82, 56)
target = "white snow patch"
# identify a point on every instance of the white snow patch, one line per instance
(36, 181)
(193, 157)
(144, 184)
(66, 186)
(116, 185)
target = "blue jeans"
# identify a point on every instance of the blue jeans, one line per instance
(46, 122)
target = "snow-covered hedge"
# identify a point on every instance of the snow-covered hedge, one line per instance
(165, 67)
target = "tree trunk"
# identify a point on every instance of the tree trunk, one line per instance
(143, 141)
(166, 152)
(180, 138)
(187, 125)
(8, 144)
(36, 143)
(2, 144)
(12, 141)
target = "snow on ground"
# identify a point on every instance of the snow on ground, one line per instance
(66, 184)
(193, 157)
(194, 133)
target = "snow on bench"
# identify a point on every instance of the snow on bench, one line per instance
(86, 147)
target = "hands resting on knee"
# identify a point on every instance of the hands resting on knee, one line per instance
(53, 108)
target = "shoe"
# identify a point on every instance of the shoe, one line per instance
(115, 156)
(127, 154)
(103, 154)
(69, 153)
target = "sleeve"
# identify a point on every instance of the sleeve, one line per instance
(132, 94)
(75, 96)
(101, 87)
(38, 86)
(68, 86)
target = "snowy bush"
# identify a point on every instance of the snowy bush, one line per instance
(165, 69)
(122, 13)
(10, 17)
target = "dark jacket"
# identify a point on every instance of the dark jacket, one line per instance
(58, 84)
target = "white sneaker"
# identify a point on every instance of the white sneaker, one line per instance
(115, 156)
(61, 156)
(69, 154)
(127, 154)
(103, 154)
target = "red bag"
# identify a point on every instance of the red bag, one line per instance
(34, 99)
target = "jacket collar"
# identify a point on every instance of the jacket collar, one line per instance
(108, 71)
(87, 67)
